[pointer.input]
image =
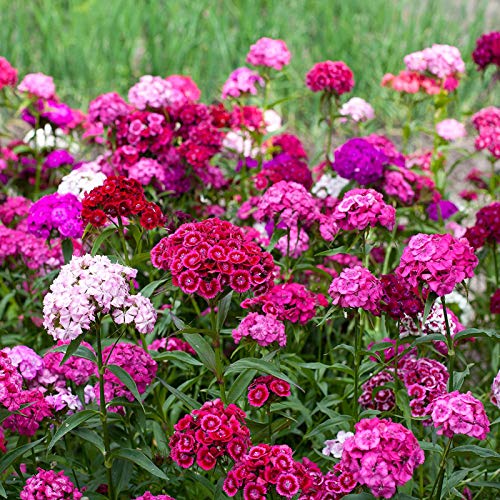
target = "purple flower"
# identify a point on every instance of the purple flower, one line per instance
(57, 158)
(444, 209)
(58, 113)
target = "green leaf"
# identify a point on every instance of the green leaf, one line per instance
(239, 386)
(127, 380)
(359, 496)
(259, 365)
(70, 423)
(190, 403)
(476, 333)
(81, 352)
(67, 248)
(10, 457)
(148, 290)
(222, 309)
(106, 234)
(160, 437)
(277, 234)
(431, 298)
(203, 349)
(71, 348)
(138, 458)
(181, 356)
(334, 251)
(424, 339)
(91, 436)
(475, 450)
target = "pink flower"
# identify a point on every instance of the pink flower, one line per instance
(450, 129)
(263, 329)
(270, 53)
(50, 485)
(26, 421)
(495, 391)
(39, 85)
(487, 123)
(8, 74)
(149, 496)
(330, 76)
(357, 109)
(106, 108)
(150, 92)
(242, 81)
(439, 60)
(264, 387)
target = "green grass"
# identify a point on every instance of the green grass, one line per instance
(96, 46)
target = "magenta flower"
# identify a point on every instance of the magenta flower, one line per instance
(263, 329)
(242, 81)
(50, 485)
(270, 53)
(39, 85)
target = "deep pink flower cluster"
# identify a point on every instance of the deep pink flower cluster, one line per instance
(150, 92)
(382, 455)
(3, 448)
(50, 485)
(334, 485)
(242, 81)
(487, 123)
(10, 381)
(330, 76)
(39, 85)
(288, 302)
(288, 144)
(412, 82)
(264, 329)
(270, 53)
(26, 360)
(399, 299)
(171, 344)
(210, 256)
(59, 212)
(487, 50)
(76, 369)
(89, 286)
(284, 167)
(486, 230)
(293, 244)
(437, 261)
(209, 434)
(14, 209)
(287, 203)
(407, 186)
(149, 496)
(495, 302)
(58, 158)
(264, 466)
(264, 387)
(439, 60)
(183, 91)
(203, 142)
(8, 74)
(106, 108)
(356, 287)
(136, 362)
(458, 413)
(495, 391)
(375, 396)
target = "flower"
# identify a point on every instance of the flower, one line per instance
(381, 455)
(357, 109)
(487, 50)
(8, 74)
(486, 230)
(450, 129)
(264, 329)
(439, 60)
(400, 300)
(31, 409)
(356, 287)
(262, 388)
(443, 209)
(331, 76)
(458, 413)
(26, 360)
(11, 381)
(284, 167)
(50, 485)
(334, 447)
(58, 158)
(106, 108)
(39, 85)
(150, 92)
(82, 180)
(495, 390)
(270, 53)
(149, 496)
(487, 123)
(242, 81)
(495, 302)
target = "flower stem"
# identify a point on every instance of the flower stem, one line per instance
(123, 242)
(217, 345)
(357, 362)
(449, 342)
(438, 484)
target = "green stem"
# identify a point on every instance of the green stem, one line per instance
(104, 415)
(122, 239)
(217, 345)
(357, 362)
(438, 484)
(449, 342)
(495, 263)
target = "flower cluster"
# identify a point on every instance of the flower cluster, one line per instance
(486, 230)
(399, 299)
(443, 209)
(359, 160)
(330, 76)
(10, 381)
(264, 329)
(150, 92)
(436, 261)
(136, 362)
(211, 433)
(450, 129)
(171, 344)
(14, 209)
(60, 212)
(495, 390)
(382, 455)
(289, 144)
(263, 387)
(120, 197)
(89, 286)
(82, 180)
(375, 396)
(270, 53)
(264, 466)
(58, 158)
(487, 50)
(357, 109)
(26, 360)
(207, 257)
(335, 484)
(487, 123)
(335, 447)
(107, 108)
(284, 167)
(242, 81)
(8, 74)
(411, 82)
(149, 496)
(288, 302)
(50, 485)
(356, 287)
(38, 85)
(458, 413)
(439, 60)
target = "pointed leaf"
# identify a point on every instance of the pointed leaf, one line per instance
(138, 458)
(70, 423)
(222, 309)
(239, 386)
(203, 349)
(126, 380)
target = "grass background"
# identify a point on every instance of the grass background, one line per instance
(95, 46)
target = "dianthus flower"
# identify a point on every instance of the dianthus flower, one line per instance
(264, 466)
(287, 203)
(437, 261)
(60, 212)
(450, 129)
(284, 167)
(186, 90)
(407, 186)
(26, 421)
(329, 185)
(399, 299)
(264, 329)
(106, 108)
(335, 447)
(89, 286)
(356, 287)
(495, 302)
(149, 496)
(63, 400)
(26, 360)
(487, 227)
(357, 109)
(50, 485)
(335, 484)
(76, 369)
(171, 344)
(82, 180)
(387, 147)
(203, 142)
(289, 144)
(10, 381)
(412, 82)
(58, 158)
(122, 197)
(487, 50)
(288, 302)
(487, 123)
(270, 53)
(495, 391)
(390, 352)
(145, 170)
(458, 413)
(331, 76)
(39, 85)
(439, 60)
(443, 209)
(357, 159)
(136, 362)
(3, 448)
(242, 81)
(150, 92)
(14, 209)
(248, 118)
(262, 388)
(210, 256)
(382, 455)
(294, 244)
(210, 434)
(375, 396)
(8, 74)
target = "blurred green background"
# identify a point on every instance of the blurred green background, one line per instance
(97, 46)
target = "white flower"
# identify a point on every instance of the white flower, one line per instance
(334, 447)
